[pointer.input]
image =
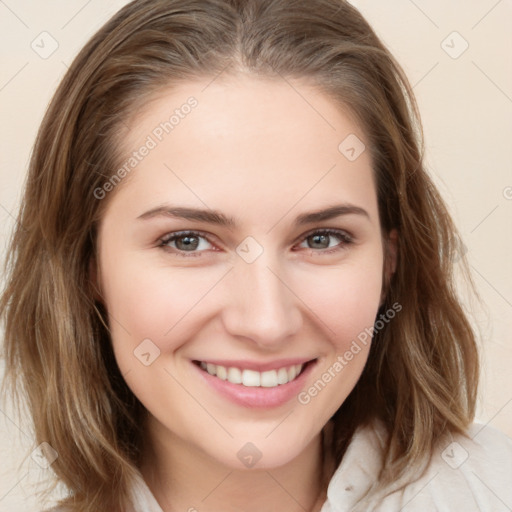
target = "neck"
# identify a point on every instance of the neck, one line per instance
(182, 478)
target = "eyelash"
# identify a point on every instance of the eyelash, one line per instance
(345, 238)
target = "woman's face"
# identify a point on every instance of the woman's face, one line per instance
(279, 271)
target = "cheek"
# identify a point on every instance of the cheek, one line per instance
(152, 302)
(336, 375)
(345, 299)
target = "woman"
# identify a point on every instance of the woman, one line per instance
(230, 263)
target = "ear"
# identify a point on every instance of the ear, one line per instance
(390, 261)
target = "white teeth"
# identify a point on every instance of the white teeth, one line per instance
(222, 373)
(282, 376)
(269, 379)
(252, 378)
(234, 376)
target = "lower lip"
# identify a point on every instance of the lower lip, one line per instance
(257, 397)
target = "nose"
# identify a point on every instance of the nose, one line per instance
(261, 306)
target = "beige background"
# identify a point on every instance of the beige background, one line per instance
(466, 104)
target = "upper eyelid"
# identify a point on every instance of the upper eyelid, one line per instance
(185, 232)
(335, 231)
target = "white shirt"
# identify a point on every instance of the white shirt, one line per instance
(471, 474)
(464, 475)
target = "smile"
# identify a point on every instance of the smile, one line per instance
(256, 384)
(253, 378)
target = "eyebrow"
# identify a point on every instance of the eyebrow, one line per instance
(218, 218)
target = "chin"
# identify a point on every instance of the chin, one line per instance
(265, 451)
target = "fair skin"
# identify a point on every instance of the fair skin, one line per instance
(256, 151)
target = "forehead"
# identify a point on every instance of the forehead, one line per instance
(255, 141)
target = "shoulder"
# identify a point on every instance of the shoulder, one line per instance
(471, 472)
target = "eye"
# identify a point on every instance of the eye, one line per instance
(193, 243)
(185, 242)
(321, 239)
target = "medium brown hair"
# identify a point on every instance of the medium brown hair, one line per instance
(421, 376)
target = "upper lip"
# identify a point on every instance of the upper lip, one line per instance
(256, 365)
